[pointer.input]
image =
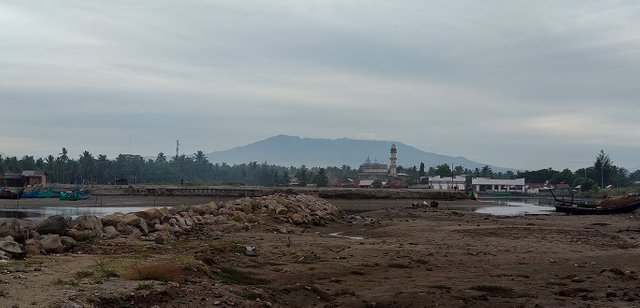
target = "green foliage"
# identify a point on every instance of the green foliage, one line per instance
(377, 183)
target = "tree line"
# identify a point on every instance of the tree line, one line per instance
(197, 169)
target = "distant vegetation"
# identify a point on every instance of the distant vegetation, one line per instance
(197, 169)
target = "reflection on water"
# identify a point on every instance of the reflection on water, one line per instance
(518, 207)
(37, 213)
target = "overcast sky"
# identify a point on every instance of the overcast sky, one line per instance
(520, 84)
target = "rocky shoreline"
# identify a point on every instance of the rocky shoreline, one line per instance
(57, 234)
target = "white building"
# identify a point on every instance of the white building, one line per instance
(456, 183)
(495, 185)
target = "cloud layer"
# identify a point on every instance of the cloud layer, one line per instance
(524, 84)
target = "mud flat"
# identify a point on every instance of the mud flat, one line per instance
(378, 254)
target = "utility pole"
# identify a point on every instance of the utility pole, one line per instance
(177, 149)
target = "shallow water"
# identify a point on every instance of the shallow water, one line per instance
(66, 211)
(518, 207)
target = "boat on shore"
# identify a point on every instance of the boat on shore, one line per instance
(621, 205)
(75, 195)
(32, 194)
(11, 193)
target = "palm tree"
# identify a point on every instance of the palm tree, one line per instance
(62, 160)
(86, 164)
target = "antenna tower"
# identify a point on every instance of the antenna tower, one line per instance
(177, 148)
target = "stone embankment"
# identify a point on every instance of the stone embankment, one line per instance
(254, 191)
(57, 234)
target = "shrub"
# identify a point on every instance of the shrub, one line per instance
(164, 271)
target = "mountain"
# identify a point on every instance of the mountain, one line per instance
(295, 151)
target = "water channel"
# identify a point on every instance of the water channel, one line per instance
(517, 207)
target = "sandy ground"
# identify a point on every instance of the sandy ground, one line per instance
(392, 256)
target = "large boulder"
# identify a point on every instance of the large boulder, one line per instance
(51, 243)
(133, 221)
(18, 229)
(33, 247)
(90, 223)
(112, 219)
(56, 224)
(152, 214)
(109, 232)
(82, 235)
(12, 248)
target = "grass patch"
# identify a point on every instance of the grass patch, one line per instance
(22, 263)
(106, 269)
(237, 219)
(399, 265)
(83, 274)
(231, 275)
(3, 293)
(499, 291)
(62, 282)
(160, 271)
(227, 246)
(144, 286)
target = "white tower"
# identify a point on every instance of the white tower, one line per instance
(393, 161)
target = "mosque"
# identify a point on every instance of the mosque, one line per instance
(378, 170)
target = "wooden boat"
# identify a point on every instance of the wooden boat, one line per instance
(32, 194)
(13, 193)
(49, 194)
(75, 195)
(626, 204)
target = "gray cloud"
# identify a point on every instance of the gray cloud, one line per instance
(526, 84)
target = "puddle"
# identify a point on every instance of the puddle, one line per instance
(518, 208)
(339, 234)
(39, 213)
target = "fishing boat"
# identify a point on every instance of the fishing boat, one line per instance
(75, 195)
(50, 193)
(11, 193)
(32, 194)
(626, 204)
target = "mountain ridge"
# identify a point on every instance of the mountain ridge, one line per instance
(286, 150)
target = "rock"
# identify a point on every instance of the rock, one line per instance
(33, 247)
(151, 214)
(82, 223)
(18, 229)
(5, 255)
(12, 248)
(82, 236)
(67, 242)
(250, 251)
(70, 304)
(296, 219)
(162, 227)
(51, 243)
(133, 221)
(112, 219)
(55, 224)
(611, 294)
(109, 232)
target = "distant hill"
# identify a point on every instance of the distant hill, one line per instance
(295, 151)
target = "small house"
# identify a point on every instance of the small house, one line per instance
(32, 178)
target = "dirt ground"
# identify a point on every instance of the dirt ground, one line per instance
(385, 254)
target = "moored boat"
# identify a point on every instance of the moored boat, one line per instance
(32, 194)
(626, 204)
(75, 195)
(11, 193)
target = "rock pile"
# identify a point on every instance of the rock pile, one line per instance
(57, 234)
